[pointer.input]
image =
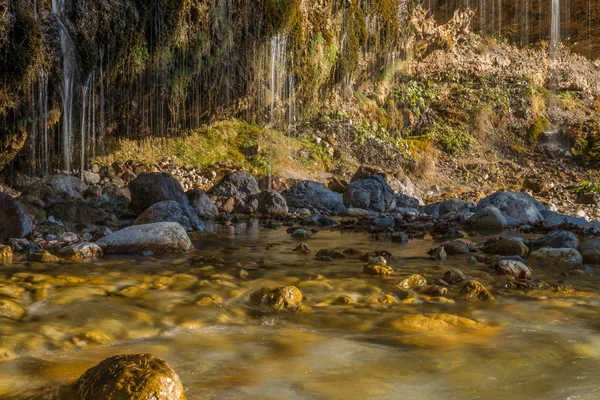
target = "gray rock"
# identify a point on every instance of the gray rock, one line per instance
(590, 251)
(81, 251)
(57, 187)
(151, 188)
(322, 221)
(513, 268)
(453, 205)
(507, 247)
(554, 220)
(487, 219)
(202, 204)
(269, 203)
(387, 222)
(301, 233)
(160, 237)
(406, 201)
(76, 213)
(399, 237)
(237, 184)
(567, 258)
(14, 221)
(456, 247)
(91, 178)
(171, 211)
(314, 196)
(557, 240)
(432, 209)
(517, 208)
(371, 193)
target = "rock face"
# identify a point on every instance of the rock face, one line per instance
(202, 204)
(268, 203)
(76, 212)
(14, 222)
(517, 208)
(371, 193)
(151, 188)
(557, 240)
(237, 184)
(171, 211)
(560, 258)
(56, 188)
(315, 197)
(132, 377)
(161, 237)
(590, 250)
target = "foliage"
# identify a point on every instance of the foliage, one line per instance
(538, 127)
(449, 139)
(587, 187)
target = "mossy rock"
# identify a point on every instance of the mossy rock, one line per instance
(130, 377)
(538, 127)
(276, 299)
(475, 291)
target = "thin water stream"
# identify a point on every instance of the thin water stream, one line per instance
(193, 311)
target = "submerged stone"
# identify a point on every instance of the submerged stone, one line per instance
(475, 291)
(276, 299)
(412, 282)
(378, 266)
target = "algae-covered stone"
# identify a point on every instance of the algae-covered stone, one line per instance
(378, 266)
(438, 253)
(10, 309)
(411, 282)
(81, 251)
(473, 290)
(282, 298)
(209, 300)
(130, 377)
(343, 300)
(44, 256)
(6, 254)
(434, 323)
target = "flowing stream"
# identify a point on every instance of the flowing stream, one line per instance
(193, 311)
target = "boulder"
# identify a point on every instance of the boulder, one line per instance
(34, 207)
(81, 251)
(590, 251)
(487, 219)
(456, 247)
(412, 282)
(406, 201)
(453, 205)
(398, 182)
(171, 211)
(151, 188)
(557, 240)
(314, 196)
(567, 258)
(371, 193)
(378, 266)
(6, 254)
(132, 377)
(160, 237)
(454, 276)
(237, 184)
(91, 178)
(516, 207)
(507, 247)
(57, 187)
(268, 203)
(276, 299)
(14, 221)
(76, 213)
(475, 291)
(513, 268)
(202, 204)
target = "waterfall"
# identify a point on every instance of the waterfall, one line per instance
(555, 25)
(68, 80)
(85, 89)
(278, 81)
(101, 105)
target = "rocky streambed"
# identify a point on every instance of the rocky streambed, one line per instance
(307, 293)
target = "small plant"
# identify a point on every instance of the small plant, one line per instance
(451, 140)
(587, 187)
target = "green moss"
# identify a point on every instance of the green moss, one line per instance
(449, 139)
(538, 127)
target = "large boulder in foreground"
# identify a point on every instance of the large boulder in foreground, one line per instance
(202, 204)
(131, 377)
(14, 222)
(171, 211)
(237, 184)
(151, 188)
(516, 207)
(315, 197)
(371, 193)
(161, 237)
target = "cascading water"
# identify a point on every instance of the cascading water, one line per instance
(278, 81)
(555, 25)
(84, 127)
(101, 106)
(68, 81)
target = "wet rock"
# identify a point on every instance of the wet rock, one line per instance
(385, 222)
(343, 301)
(371, 255)
(517, 208)
(453, 205)
(171, 211)
(378, 266)
(433, 290)
(412, 282)
(590, 250)
(438, 253)
(56, 188)
(6, 254)
(77, 213)
(238, 184)
(315, 197)
(132, 377)
(268, 203)
(358, 213)
(303, 248)
(11, 310)
(454, 276)
(151, 188)
(276, 299)
(397, 182)
(456, 247)
(67, 237)
(406, 201)
(435, 324)
(209, 300)
(44, 256)
(14, 222)
(371, 193)
(513, 268)
(301, 233)
(399, 237)
(554, 220)
(560, 258)
(557, 240)
(475, 291)
(322, 221)
(34, 207)
(160, 237)
(202, 204)
(81, 251)
(330, 253)
(507, 247)
(487, 219)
